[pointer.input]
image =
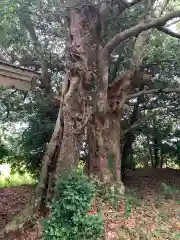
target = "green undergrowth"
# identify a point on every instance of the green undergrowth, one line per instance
(72, 214)
(171, 192)
(15, 180)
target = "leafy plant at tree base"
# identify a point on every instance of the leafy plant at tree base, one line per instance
(70, 218)
(109, 193)
(131, 200)
(170, 192)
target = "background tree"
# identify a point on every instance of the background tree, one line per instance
(108, 68)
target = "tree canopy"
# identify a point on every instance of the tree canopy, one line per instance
(33, 35)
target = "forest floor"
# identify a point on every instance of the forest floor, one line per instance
(149, 210)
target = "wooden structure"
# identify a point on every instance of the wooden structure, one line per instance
(16, 77)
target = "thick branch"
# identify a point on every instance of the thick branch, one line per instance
(136, 30)
(5, 103)
(132, 127)
(3, 59)
(173, 22)
(132, 3)
(169, 32)
(106, 5)
(152, 91)
(46, 75)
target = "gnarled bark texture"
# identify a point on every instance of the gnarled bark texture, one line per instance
(64, 148)
(105, 138)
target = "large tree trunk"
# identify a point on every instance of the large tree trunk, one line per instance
(104, 147)
(70, 148)
(63, 150)
(84, 26)
(85, 94)
(105, 139)
(114, 145)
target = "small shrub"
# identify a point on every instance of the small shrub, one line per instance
(177, 236)
(164, 215)
(69, 217)
(158, 201)
(156, 234)
(131, 200)
(111, 193)
(170, 192)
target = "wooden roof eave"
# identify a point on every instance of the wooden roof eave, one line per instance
(15, 77)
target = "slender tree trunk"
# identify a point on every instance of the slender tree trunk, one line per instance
(129, 136)
(155, 146)
(45, 183)
(162, 158)
(156, 155)
(150, 151)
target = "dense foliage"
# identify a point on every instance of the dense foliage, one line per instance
(69, 218)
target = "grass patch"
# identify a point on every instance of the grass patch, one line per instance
(15, 180)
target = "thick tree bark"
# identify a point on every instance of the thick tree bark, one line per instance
(63, 150)
(84, 39)
(105, 156)
(107, 129)
(101, 128)
(114, 145)
(70, 148)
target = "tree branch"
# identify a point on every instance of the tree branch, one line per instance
(152, 91)
(173, 23)
(132, 127)
(169, 32)
(3, 59)
(106, 5)
(136, 30)
(5, 103)
(124, 4)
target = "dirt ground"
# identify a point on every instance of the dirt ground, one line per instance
(145, 213)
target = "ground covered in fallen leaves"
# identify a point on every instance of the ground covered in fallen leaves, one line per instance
(149, 210)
